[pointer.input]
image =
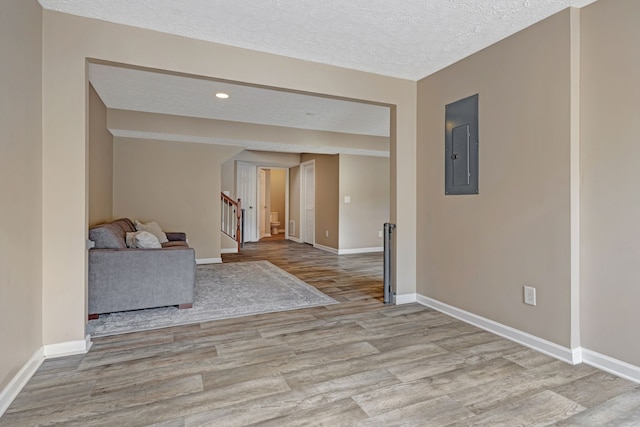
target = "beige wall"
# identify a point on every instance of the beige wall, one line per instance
(69, 40)
(20, 185)
(176, 184)
(277, 186)
(100, 162)
(476, 252)
(327, 188)
(294, 200)
(228, 178)
(609, 160)
(366, 181)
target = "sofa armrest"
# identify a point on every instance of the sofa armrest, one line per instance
(173, 237)
(130, 279)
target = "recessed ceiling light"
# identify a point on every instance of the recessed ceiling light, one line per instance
(222, 95)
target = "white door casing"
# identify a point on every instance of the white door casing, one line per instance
(262, 201)
(307, 203)
(246, 182)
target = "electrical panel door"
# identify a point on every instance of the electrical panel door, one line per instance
(461, 146)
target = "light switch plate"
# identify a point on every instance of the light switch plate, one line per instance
(347, 199)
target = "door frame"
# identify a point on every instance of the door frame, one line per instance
(255, 231)
(303, 201)
(264, 203)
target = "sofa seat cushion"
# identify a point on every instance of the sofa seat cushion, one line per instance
(108, 236)
(175, 244)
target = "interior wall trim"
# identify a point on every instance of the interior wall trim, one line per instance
(326, 248)
(613, 366)
(200, 261)
(406, 299)
(360, 250)
(68, 348)
(539, 344)
(17, 383)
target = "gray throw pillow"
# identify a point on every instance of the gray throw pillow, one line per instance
(107, 236)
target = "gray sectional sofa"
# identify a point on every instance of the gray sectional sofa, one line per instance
(122, 278)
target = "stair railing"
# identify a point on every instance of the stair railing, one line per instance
(230, 215)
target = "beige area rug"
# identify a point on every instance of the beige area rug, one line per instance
(222, 291)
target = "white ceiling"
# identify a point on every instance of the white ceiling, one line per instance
(153, 92)
(402, 38)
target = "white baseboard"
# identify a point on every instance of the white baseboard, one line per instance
(68, 348)
(209, 261)
(294, 239)
(405, 299)
(326, 248)
(229, 250)
(611, 365)
(543, 346)
(360, 250)
(17, 383)
(347, 251)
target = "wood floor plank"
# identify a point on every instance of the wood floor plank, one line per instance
(620, 411)
(359, 362)
(595, 389)
(541, 409)
(431, 413)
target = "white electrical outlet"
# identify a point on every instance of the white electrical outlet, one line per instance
(379, 233)
(326, 233)
(530, 295)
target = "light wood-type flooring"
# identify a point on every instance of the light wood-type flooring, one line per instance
(357, 363)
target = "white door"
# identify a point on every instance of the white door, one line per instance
(262, 200)
(308, 203)
(246, 191)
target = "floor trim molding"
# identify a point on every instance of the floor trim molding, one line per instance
(406, 299)
(209, 261)
(17, 383)
(68, 348)
(613, 366)
(539, 344)
(326, 248)
(360, 250)
(229, 250)
(294, 239)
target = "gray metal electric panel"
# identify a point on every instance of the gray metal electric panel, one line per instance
(461, 147)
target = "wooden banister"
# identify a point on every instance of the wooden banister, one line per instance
(231, 218)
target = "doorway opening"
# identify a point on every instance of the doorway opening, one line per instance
(273, 194)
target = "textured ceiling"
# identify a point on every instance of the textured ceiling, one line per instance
(403, 38)
(153, 92)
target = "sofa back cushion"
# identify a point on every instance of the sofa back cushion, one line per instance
(108, 236)
(126, 224)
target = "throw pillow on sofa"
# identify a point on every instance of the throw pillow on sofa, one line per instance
(153, 228)
(145, 240)
(107, 236)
